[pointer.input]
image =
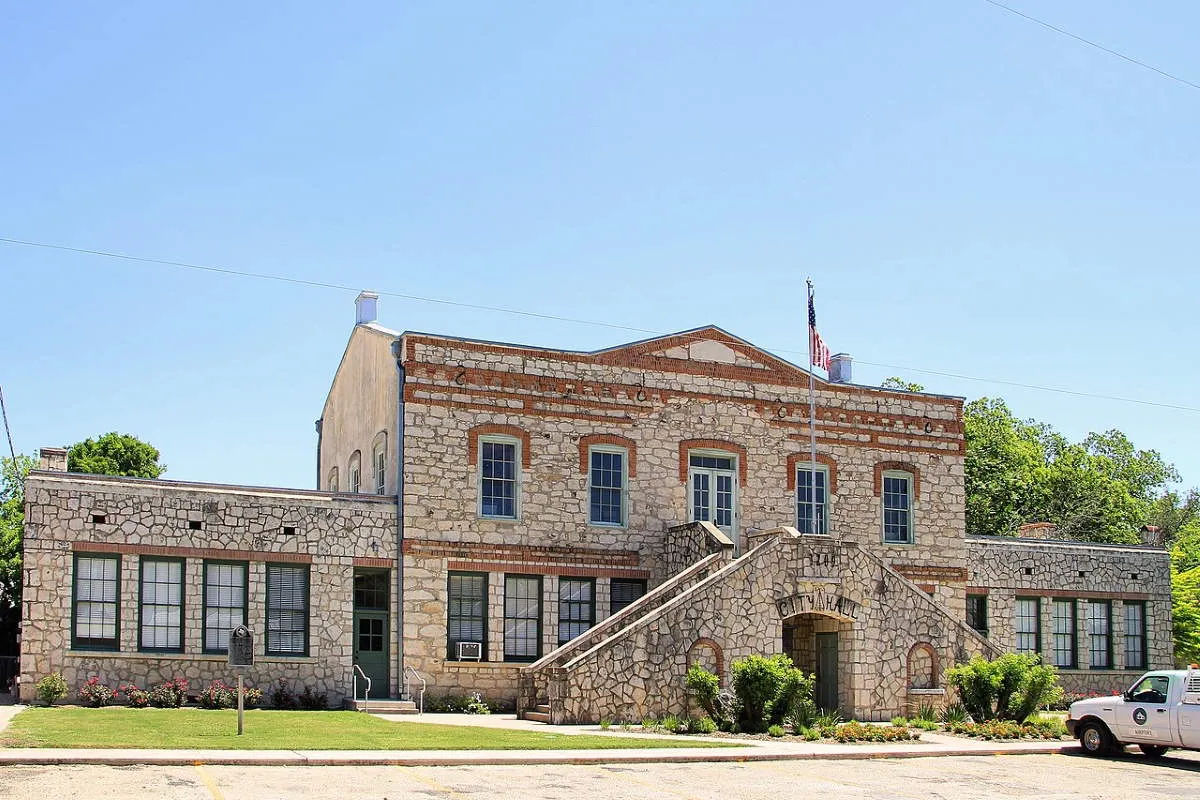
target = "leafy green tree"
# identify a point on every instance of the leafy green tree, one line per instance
(1185, 616)
(115, 454)
(1003, 457)
(1143, 472)
(12, 526)
(1010, 687)
(899, 383)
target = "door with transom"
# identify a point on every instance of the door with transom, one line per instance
(713, 485)
(371, 595)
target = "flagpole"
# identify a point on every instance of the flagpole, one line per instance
(812, 423)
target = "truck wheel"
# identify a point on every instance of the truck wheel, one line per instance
(1153, 750)
(1095, 739)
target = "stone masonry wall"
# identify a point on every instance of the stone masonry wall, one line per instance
(740, 611)
(1005, 569)
(333, 534)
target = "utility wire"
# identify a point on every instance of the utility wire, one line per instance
(7, 430)
(558, 318)
(1090, 43)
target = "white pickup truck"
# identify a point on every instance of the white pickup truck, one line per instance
(1160, 711)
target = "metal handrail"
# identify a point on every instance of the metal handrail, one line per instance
(421, 697)
(367, 694)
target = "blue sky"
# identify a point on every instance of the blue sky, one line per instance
(971, 193)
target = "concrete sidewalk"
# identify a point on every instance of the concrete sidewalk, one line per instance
(930, 745)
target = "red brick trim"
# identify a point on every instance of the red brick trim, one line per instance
(901, 466)
(519, 434)
(467, 551)
(190, 552)
(978, 589)
(1067, 594)
(591, 439)
(704, 641)
(525, 567)
(384, 563)
(803, 458)
(711, 444)
(915, 572)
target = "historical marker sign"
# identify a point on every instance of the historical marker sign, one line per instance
(241, 647)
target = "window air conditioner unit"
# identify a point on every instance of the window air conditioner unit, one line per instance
(470, 651)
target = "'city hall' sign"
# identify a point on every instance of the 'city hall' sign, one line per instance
(817, 603)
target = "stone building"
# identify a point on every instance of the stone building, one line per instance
(571, 530)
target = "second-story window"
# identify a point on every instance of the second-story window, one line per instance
(498, 481)
(355, 471)
(333, 479)
(897, 508)
(606, 486)
(713, 485)
(380, 470)
(812, 497)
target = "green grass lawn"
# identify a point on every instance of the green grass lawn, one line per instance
(192, 728)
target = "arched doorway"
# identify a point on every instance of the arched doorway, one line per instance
(818, 644)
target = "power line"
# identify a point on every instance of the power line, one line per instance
(1090, 43)
(559, 318)
(7, 430)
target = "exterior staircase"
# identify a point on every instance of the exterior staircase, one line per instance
(540, 713)
(381, 706)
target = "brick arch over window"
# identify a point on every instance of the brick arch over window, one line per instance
(899, 466)
(711, 444)
(473, 435)
(611, 439)
(829, 462)
(923, 666)
(708, 654)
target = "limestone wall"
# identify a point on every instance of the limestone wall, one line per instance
(332, 533)
(1007, 568)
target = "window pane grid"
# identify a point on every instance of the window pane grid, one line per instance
(811, 499)
(498, 479)
(522, 618)
(1099, 619)
(1026, 625)
(1062, 618)
(224, 604)
(1135, 636)
(897, 527)
(466, 607)
(607, 482)
(287, 609)
(162, 605)
(576, 607)
(96, 599)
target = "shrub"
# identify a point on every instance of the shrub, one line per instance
(669, 723)
(858, 732)
(169, 694)
(927, 713)
(775, 731)
(135, 697)
(282, 696)
(310, 700)
(252, 697)
(954, 712)
(649, 724)
(51, 688)
(925, 724)
(218, 695)
(1007, 729)
(810, 734)
(900, 722)
(768, 689)
(1010, 687)
(605, 723)
(95, 693)
(701, 725)
(459, 704)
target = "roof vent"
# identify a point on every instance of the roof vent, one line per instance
(366, 308)
(841, 368)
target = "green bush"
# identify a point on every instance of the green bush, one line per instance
(900, 722)
(859, 732)
(282, 696)
(775, 731)
(169, 694)
(701, 725)
(605, 723)
(311, 700)
(810, 734)
(669, 723)
(769, 689)
(51, 688)
(1010, 687)
(135, 697)
(1008, 729)
(954, 712)
(95, 693)
(927, 712)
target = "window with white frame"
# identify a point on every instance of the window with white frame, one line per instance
(1099, 623)
(897, 507)
(713, 483)
(380, 463)
(96, 607)
(355, 470)
(161, 609)
(498, 476)
(1027, 624)
(1135, 635)
(812, 498)
(1062, 622)
(606, 485)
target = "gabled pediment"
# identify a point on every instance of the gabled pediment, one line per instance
(703, 346)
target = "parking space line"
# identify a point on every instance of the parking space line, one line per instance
(658, 787)
(431, 783)
(209, 782)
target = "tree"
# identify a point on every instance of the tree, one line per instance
(1185, 616)
(1002, 461)
(12, 526)
(899, 383)
(115, 454)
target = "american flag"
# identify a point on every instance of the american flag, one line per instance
(818, 350)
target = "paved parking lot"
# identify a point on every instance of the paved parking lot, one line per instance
(1047, 777)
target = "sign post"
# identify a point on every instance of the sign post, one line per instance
(241, 656)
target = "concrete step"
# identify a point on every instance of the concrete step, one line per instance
(540, 713)
(382, 706)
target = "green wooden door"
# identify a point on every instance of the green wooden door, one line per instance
(827, 671)
(371, 649)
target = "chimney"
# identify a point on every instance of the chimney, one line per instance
(366, 308)
(1038, 530)
(1151, 536)
(841, 367)
(53, 459)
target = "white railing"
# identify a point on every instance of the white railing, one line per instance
(358, 672)
(410, 673)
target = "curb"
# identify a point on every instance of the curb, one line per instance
(278, 758)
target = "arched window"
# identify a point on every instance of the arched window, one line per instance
(379, 462)
(355, 470)
(332, 485)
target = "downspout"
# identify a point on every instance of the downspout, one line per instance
(319, 426)
(398, 354)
